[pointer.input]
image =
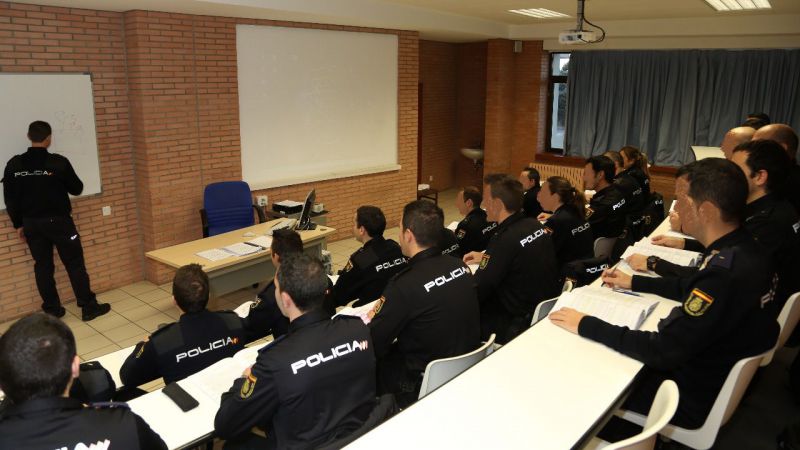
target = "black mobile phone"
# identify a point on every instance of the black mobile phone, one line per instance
(181, 398)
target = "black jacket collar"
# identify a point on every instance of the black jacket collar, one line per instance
(307, 319)
(42, 405)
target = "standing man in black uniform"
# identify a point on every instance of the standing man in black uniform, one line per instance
(370, 267)
(38, 364)
(36, 185)
(313, 386)
(197, 340)
(519, 268)
(474, 231)
(722, 319)
(529, 177)
(607, 208)
(428, 311)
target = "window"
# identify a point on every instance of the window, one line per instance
(557, 99)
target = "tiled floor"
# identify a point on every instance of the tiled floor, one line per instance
(138, 309)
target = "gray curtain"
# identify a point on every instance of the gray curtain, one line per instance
(666, 101)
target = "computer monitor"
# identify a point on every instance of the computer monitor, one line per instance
(305, 222)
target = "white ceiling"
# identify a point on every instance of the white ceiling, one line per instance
(629, 23)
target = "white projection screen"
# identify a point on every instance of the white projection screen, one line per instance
(315, 104)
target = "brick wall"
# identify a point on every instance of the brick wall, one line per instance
(470, 109)
(499, 106)
(50, 39)
(438, 75)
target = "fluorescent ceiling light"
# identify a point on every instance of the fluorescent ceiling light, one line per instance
(738, 5)
(539, 13)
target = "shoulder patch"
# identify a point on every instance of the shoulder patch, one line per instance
(248, 387)
(698, 303)
(484, 261)
(723, 259)
(589, 212)
(460, 234)
(377, 308)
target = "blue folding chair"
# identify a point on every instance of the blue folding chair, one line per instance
(228, 206)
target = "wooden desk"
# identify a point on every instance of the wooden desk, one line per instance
(236, 272)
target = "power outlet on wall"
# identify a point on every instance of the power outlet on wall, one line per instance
(262, 200)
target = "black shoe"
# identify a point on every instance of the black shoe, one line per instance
(57, 312)
(92, 312)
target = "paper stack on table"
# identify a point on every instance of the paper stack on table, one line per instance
(622, 308)
(673, 255)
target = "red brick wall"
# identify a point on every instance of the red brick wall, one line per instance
(471, 108)
(530, 103)
(500, 109)
(49, 39)
(437, 73)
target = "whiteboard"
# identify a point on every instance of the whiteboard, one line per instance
(65, 102)
(315, 104)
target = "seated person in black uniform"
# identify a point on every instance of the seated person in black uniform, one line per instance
(197, 340)
(722, 318)
(635, 200)
(314, 385)
(38, 364)
(428, 311)
(370, 267)
(448, 245)
(529, 177)
(634, 163)
(606, 211)
(786, 137)
(571, 233)
(519, 268)
(474, 231)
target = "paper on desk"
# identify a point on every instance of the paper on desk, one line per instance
(626, 268)
(613, 307)
(243, 310)
(359, 311)
(214, 254)
(673, 255)
(473, 268)
(216, 379)
(241, 249)
(289, 203)
(261, 241)
(334, 278)
(453, 225)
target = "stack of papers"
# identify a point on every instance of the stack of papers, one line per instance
(264, 242)
(673, 255)
(362, 311)
(622, 308)
(214, 254)
(289, 203)
(241, 249)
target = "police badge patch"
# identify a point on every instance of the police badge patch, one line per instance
(484, 261)
(248, 386)
(698, 303)
(589, 212)
(461, 234)
(349, 266)
(378, 306)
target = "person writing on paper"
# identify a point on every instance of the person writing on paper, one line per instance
(571, 233)
(38, 364)
(197, 340)
(36, 188)
(474, 231)
(264, 317)
(311, 387)
(370, 267)
(519, 268)
(606, 211)
(722, 318)
(428, 311)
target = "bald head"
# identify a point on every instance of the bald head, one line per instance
(782, 134)
(734, 137)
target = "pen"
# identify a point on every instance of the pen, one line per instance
(623, 291)
(613, 269)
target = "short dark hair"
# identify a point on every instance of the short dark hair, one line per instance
(602, 164)
(768, 156)
(39, 130)
(507, 189)
(303, 278)
(372, 219)
(286, 242)
(760, 116)
(720, 182)
(425, 220)
(533, 175)
(474, 194)
(190, 288)
(36, 355)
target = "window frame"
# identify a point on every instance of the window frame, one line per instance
(552, 80)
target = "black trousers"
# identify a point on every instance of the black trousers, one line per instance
(42, 235)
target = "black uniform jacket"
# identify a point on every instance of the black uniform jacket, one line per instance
(449, 244)
(606, 212)
(367, 272)
(474, 231)
(635, 201)
(572, 235)
(642, 179)
(196, 341)
(792, 189)
(57, 423)
(722, 320)
(265, 318)
(311, 387)
(530, 204)
(431, 308)
(519, 268)
(37, 183)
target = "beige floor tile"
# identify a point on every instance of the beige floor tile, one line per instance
(99, 352)
(154, 295)
(132, 340)
(127, 304)
(108, 321)
(163, 304)
(113, 296)
(93, 343)
(174, 314)
(166, 286)
(151, 323)
(73, 308)
(123, 332)
(140, 312)
(6, 325)
(71, 319)
(138, 288)
(83, 331)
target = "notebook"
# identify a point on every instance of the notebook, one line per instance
(673, 255)
(622, 308)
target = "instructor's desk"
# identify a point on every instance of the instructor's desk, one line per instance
(236, 272)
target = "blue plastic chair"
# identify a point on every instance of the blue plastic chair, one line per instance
(228, 206)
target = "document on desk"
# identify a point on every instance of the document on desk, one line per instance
(216, 379)
(261, 241)
(453, 225)
(626, 268)
(673, 255)
(617, 308)
(362, 311)
(214, 254)
(242, 249)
